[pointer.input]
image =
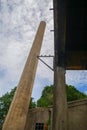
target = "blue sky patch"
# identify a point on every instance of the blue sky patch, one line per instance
(10, 8)
(2, 73)
(1, 6)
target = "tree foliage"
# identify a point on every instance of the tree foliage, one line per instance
(32, 103)
(74, 94)
(47, 95)
(46, 98)
(5, 102)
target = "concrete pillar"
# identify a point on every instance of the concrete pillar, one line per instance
(60, 98)
(60, 102)
(16, 117)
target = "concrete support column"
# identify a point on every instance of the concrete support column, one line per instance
(60, 98)
(60, 102)
(16, 117)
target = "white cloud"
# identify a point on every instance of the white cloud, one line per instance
(77, 79)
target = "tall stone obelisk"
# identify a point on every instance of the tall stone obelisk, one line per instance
(16, 117)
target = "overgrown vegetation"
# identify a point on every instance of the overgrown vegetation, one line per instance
(74, 94)
(47, 97)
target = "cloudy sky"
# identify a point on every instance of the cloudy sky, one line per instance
(19, 20)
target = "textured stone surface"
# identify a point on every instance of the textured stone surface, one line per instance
(17, 114)
(60, 101)
(77, 115)
(39, 115)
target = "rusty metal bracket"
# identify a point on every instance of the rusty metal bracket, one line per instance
(51, 9)
(44, 61)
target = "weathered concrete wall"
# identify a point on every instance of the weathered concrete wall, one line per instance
(77, 116)
(38, 115)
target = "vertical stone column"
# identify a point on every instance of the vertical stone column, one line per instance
(60, 101)
(17, 114)
(60, 98)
